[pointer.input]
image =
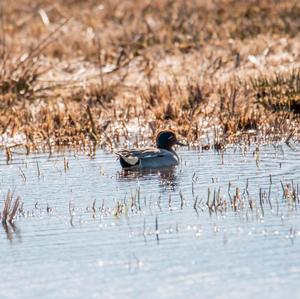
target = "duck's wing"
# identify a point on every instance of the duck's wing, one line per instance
(133, 157)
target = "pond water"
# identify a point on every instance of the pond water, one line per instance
(89, 231)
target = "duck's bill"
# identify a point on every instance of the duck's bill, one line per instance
(180, 143)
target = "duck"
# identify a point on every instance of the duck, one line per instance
(161, 156)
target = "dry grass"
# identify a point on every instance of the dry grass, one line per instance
(87, 74)
(10, 208)
(279, 92)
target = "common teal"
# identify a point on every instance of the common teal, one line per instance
(160, 156)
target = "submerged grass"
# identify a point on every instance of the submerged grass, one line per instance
(247, 200)
(85, 74)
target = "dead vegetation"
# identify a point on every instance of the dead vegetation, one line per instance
(87, 74)
(279, 93)
(10, 208)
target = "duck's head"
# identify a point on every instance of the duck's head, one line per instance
(166, 140)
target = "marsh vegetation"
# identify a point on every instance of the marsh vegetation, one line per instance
(81, 73)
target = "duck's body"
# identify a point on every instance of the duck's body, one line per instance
(148, 158)
(160, 157)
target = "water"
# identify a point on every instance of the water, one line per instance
(88, 231)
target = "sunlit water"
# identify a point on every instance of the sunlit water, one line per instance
(71, 241)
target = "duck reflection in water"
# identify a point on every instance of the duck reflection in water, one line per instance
(11, 231)
(167, 176)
